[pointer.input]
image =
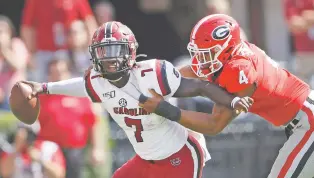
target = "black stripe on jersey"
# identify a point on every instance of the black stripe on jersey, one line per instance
(164, 77)
(161, 73)
(303, 161)
(108, 30)
(198, 154)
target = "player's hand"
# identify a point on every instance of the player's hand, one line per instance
(37, 88)
(243, 104)
(152, 102)
(298, 24)
(308, 17)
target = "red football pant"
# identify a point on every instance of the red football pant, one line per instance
(186, 163)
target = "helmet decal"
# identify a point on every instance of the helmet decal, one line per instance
(221, 32)
(108, 30)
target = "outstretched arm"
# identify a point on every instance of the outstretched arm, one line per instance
(174, 85)
(71, 87)
(222, 115)
(241, 84)
(209, 124)
(195, 87)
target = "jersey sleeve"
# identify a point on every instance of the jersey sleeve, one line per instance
(168, 77)
(71, 87)
(89, 87)
(238, 75)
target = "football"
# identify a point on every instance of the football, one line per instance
(24, 109)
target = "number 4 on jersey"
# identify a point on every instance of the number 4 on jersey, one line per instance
(243, 78)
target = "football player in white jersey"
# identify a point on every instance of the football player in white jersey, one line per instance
(163, 148)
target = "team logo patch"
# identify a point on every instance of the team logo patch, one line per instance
(221, 32)
(175, 162)
(123, 102)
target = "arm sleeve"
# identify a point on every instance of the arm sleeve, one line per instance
(238, 75)
(71, 87)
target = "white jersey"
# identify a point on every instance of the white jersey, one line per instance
(153, 137)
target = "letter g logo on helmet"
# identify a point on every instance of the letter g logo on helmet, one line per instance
(221, 32)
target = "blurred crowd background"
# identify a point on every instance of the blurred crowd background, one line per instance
(46, 40)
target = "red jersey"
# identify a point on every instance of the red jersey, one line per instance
(279, 95)
(65, 120)
(51, 20)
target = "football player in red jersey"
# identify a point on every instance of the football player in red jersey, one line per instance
(220, 56)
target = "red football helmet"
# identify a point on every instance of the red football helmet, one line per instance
(212, 42)
(113, 50)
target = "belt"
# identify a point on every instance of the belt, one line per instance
(289, 128)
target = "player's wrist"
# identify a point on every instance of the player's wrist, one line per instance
(142, 98)
(44, 87)
(168, 111)
(234, 101)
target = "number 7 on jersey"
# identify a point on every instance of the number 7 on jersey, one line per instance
(138, 127)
